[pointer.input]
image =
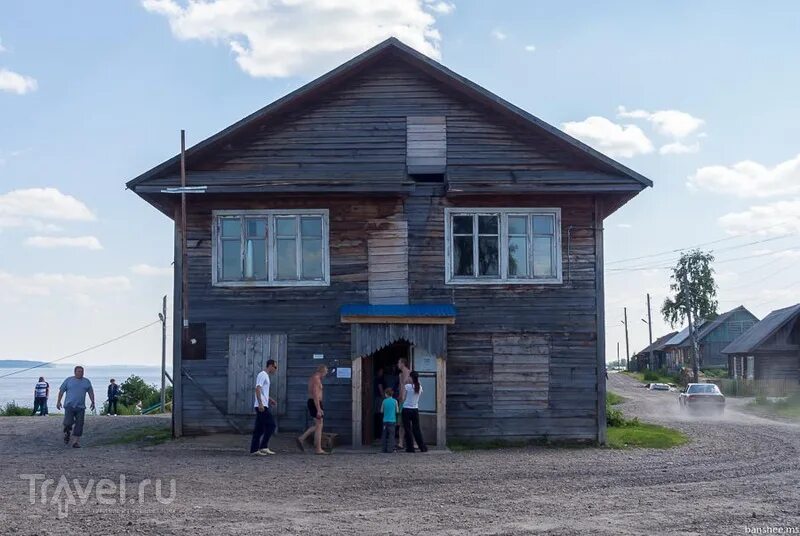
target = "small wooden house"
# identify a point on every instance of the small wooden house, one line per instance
(392, 208)
(653, 356)
(769, 351)
(712, 336)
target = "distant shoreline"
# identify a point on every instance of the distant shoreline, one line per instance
(22, 363)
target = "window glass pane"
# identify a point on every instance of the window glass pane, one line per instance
(427, 400)
(517, 225)
(311, 226)
(286, 258)
(487, 255)
(487, 224)
(256, 228)
(231, 260)
(517, 256)
(231, 227)
(543, 224)
(462, 255)
(255, 259)
(312, 258)
(286, 227)
(462, 224)
(543, 256)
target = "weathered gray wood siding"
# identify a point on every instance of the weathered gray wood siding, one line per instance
(563, 314)
(387, 248)
(357, 134)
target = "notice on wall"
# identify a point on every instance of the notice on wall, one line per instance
(344, 372)
(319, 356)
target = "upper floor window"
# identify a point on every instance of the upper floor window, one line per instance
(270, 248)
(503, 245)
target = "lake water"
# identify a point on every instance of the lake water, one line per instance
(19, 387)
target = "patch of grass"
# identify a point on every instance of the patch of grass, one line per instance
(12, 409)
(613, 398)
(148, 435)
(637, 434)
(788, 408)
(650, 376)
(715, 373)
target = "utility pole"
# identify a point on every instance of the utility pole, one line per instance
(617, 353)
(650, 333)
(627, 346)
(163, 318)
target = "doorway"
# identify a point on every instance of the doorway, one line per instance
(378, 372)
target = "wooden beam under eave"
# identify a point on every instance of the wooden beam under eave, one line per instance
(449, 320)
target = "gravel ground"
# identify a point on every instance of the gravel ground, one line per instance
(738, 473)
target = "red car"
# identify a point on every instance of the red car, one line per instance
(702, 397)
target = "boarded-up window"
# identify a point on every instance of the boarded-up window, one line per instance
(520, 373)
(426, 145)
(388, 261)
(247, 356)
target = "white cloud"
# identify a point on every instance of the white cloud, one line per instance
(78, 288)
(151, 271)
(749, 179)
(530, 48)
(609, 137)
(673, 123)
(291, 37)
(87, 242)
(782, 217)
(624, 225)
(20, 206)
(440, 7)
(16, 83)
(499, 35)
(678, 147)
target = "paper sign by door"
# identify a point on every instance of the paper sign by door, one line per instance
(319, 356)
(344, 372)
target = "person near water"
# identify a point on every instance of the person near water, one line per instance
(75, 388)
(265, 423)
(316, 410)
(390, 410)
(41, 391)
(113, 397)
(411, 394)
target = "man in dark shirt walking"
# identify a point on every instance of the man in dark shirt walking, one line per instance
(113, 396)
(76, 388)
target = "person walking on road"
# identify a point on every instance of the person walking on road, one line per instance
(265, 423)
(76, 388)
(315, 409)
(41, 391)
(113, 396)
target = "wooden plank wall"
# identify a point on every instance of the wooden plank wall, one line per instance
(309, 317)
(247, 356)
(520, 373)
(387, 248)
(565, 314)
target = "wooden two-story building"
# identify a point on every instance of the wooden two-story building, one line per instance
(392, 208)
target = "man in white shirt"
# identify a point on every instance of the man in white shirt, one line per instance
(265, 424)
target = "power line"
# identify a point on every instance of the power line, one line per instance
(109, 341)
(659, 266)
(678, 250)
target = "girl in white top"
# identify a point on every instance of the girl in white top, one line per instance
(411, 394)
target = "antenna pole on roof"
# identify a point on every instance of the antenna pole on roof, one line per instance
(650, 333)
(184, 232)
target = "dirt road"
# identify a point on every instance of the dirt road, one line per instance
(737, 473)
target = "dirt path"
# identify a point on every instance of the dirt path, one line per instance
(738, 472)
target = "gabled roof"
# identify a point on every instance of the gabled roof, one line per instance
(679, 338)
(659, 343)
(393, 46)
(761, 331)
(704, 327)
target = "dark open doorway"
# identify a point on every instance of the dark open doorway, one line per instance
(379, 372)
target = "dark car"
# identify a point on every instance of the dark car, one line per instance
(702, 397)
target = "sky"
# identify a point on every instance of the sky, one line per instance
(699, 96)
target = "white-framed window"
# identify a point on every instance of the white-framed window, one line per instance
(270, 248)
(502, 245)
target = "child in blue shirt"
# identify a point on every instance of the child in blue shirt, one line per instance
(390, 409)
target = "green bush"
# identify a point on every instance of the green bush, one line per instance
(715, 373)
(12, 409)
(613, 398)
(650, 376)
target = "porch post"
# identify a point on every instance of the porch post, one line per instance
(441, 402)
(356, 408)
